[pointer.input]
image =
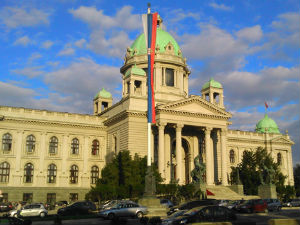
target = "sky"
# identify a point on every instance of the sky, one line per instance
(56, 55)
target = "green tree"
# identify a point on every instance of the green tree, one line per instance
(297, 179)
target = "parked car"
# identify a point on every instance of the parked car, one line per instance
(253, 205)
(293, 203)
(192, 204)
(172, 217)
(35, 209)
(166, 202)
(222, 202)
(212, 213)
(80, 207)
(273, 204)
(6, 206)
(129, 209)
(61, 203)
(232, 204)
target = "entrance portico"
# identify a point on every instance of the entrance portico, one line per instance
(181, 138)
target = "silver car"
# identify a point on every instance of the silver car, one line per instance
(30, 210)
(127, 209)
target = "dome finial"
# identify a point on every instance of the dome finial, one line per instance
(149, 7)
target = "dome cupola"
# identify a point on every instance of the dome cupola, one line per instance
(267, 125)
(102, 101)
(212, 83)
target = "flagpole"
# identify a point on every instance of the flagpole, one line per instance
(149, 86)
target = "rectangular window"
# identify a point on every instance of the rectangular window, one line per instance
(73, 197)
(128, 87)
(169, 77)
(27, 197)
(51, 198)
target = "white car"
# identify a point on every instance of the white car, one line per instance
(29, 210)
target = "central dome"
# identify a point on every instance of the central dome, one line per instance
(163, 38)
(267, 125)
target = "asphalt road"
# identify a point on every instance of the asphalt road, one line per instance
(259, 218)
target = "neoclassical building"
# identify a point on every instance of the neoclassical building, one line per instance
(52, 156)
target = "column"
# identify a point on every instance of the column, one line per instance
(290, 168)
(161, 151)
(179, 166)
(209, 157)
(224, 157)
(211, 97)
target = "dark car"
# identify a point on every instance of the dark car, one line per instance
(273, 204)
(166, 202)
(77, 208)
(6, 206)
(61, 203)
(293, 203)
(192, 204)
(171, 218)
(211, 213)
(253, 205)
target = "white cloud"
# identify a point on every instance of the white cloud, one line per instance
(220, 6)
(30, 72)
(47, 44)
(66, 51)
(25, 40)
(80, 43)
(250, 34)
(21, 17)
(34, 56)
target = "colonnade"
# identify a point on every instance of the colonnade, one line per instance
(163, 155)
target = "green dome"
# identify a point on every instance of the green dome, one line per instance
(136, 71)
(267, 125)
(212, 83)
(162, 40)
(103, 94)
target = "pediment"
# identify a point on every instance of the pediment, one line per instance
(195, 105)
(282, 139)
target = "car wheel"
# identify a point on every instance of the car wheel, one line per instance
(111, 216)
(139, 215)
(42, 214)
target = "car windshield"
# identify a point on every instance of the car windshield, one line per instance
(178, 213)
(192, 212)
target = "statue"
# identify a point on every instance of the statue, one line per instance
(199, 170)
(267, 175)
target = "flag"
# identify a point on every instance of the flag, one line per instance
(150, 26)
(209, 193)
(266, 105)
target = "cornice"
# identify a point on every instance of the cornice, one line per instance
(123, 115)
(53, 123)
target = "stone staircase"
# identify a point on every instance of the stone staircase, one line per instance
(224, 192)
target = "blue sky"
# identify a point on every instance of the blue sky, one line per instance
(57, 55)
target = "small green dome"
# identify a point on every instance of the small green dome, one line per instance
(103, 94)
(136, 71)
(162, 40)
(267, 125)
(212, 83)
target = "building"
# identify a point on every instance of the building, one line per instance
(51, 156)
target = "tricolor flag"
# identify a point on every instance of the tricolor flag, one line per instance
(150, 26)
(266, 105)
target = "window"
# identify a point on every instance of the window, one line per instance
(73, 197)
(75, 146)
(4, 172)
(51, 198)
(27, 197)
(51, 175)
(53, 145)
(279, 159)
(94, 174)
(128, 87)
(4, 197)
(169, 77)
(115, 144)
(231, 156)
(74, 174)
(95, 147)
(30, 143)
(28, 173)
(6, 142)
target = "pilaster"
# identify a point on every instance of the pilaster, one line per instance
(179, 166)
(209, 157)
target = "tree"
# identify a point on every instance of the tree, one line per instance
(252, 172)
(297, 179)
(124, 177)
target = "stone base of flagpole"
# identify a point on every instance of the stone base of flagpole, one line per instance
(155, 209)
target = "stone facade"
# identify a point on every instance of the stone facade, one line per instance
(186, 126)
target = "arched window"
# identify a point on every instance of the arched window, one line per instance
(53, 144)
(6, 142)
(94, 174)
(231, 156)
(95, 147)
(74, 174)
(28, 173)
(279, 159)
(115, 144)
(51, 175)
(30, 143)
(75, 146)
(4, 172)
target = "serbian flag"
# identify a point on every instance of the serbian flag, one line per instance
(150, 26)
(266, 105)
(209, 193)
